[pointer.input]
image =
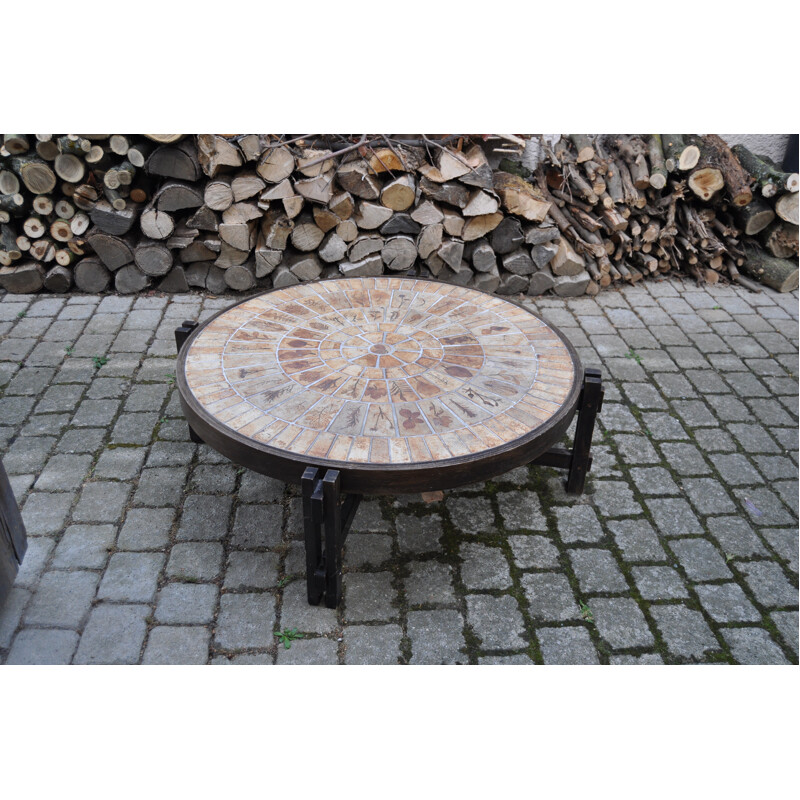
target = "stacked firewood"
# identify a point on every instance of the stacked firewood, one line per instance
(219, 212)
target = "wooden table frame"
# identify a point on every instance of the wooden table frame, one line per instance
(331, 495)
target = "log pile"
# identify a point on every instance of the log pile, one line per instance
(241, 212)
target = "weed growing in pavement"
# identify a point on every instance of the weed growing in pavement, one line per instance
(586, 613)
(287, 636)
(99, 361)
(634, 355)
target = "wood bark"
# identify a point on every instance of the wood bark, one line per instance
(786, 208)
(777, 273)
(178, 161)
(22, 278)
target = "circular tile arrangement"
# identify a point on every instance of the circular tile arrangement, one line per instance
(379, 371)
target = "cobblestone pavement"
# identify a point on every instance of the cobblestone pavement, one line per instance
(145, 548)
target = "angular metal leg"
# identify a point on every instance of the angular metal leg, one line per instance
(325, 508)
(182, 333)
(589, 405)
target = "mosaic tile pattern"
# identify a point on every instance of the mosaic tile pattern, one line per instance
(379, 370)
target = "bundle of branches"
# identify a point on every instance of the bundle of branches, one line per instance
(632, 205)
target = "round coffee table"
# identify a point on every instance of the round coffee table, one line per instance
(382, 386)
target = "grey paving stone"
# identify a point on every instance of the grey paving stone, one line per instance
(131, 577)
(177, 645)
(753, 646)
(518, 659)
(247, 569)
(120, 463)
(309, 651)
(205, 517)
(430, 583)
(768, 584)
(245, 621)
(83, 440)
(362, 549)
(60, 398)
(84, 546)
(636, 449)
(567, 646)
(673, 517)
(146, 529)
(663, 427)
(727, 603)
(30, 381)
(372, 644)
(171, 454)
(617, 417)
(201, 561)
(708, 496)
(712, 440)
(161, 486)
(436, 637)
(735, 469)
(644, 396)
(787, 624)
(34, 561)
(763, 507)
(44, 512)
(534, 552)
(700, 559)
(659, 583)
(242, 659)
(45, 425)
(113, 635)
(62, 599)
(101, 501)
(597, 571)
(475, 515)
(637, 540)
(257, 527)
(419, 534)
(484, 567)
(28, 454)
(653, 480)
(42, 646)
(103, 388)
(213, 479)
(578, 523)
(731, 409)
(784, 541)
(186, 603)
(496, 621)
(11, 613)
(63, 473)
(615, 499)
(94, 413)
(647, 658)
(134, 429)
(753, 438)
(296, 612)
(620, 622)
(369, 518)
(685, 631)
(369, 597)
(255, 488)
(550, 597)
(735, 537)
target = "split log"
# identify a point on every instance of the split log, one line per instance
(216, 153)
(305, 266)
(240, 213)
(314, 162)
(398, 195)
(485, 281)
(427, 213)
(316, 190)
(541, 281)
(777, 273)
(371, 215)
(179, 161)
(786, 208)
(571, 285)
(520, 197)
(293, 205)
(399, 253)
(451, 253)
(113, 251)
(266, 260)
(279, 191)
(400, 223)
(109, 219)
(512, 284)
(483, 257)
(453, 222)
(86, 197)
(507, 236)
(215, 280)
(566, 261)
(480, 174)
(324, 218)
(174, 282)
(543, 254)
(130, 279)
(238, 235)
(92, 276)
(478, 227)
(58, 279)
(204, 219)
(452, 193)
(276, 164)
(230, 256)
(451, 164)
(771, 179)
(355, 177)
(156, 224)
(430, 240)
(658, 168)
(364, 246)
(370, 267)
(333, 248)
(518, 262)
(480, 204)
(246, 185)
(251, 146)
(276, 228)
(25, 278)
(177, 195)
(152, 257)
(197, 251)
(43, 249)
(395, 159)
(342, 205)
(583, 146)
(306, 236)
(283, 277)
(715, 153)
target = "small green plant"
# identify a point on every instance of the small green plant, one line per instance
(287, 636)
(68, 349)
(284, 581)
(716, 308)
(99, 361)
(162, 420)
(586, 613)
(21, 314)
(171, 378)
(728, 558)
(634, 355)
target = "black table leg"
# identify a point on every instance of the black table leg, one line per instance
(326, 509)
(589, 405)
(182, 333)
